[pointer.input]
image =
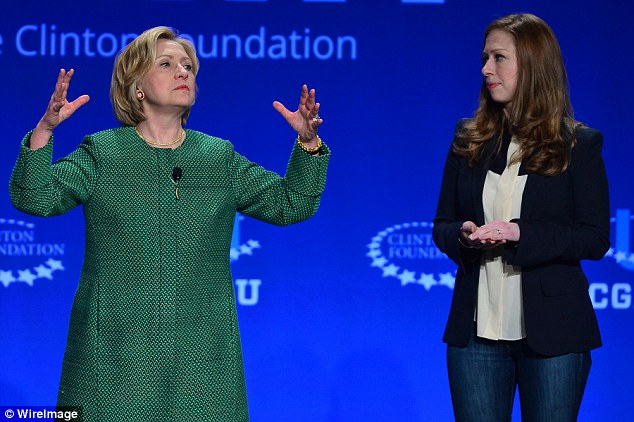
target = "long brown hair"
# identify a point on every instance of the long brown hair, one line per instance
(540, 115)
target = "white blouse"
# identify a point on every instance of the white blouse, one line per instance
(499, 313)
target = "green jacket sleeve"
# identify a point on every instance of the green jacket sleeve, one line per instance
(279, 200)
(39, 188)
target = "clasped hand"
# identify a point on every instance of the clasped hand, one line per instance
(489, 235)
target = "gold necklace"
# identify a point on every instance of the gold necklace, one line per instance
(177, 172)
(158, 144)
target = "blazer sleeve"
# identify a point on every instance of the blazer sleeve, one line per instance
(451, 212)
(586, 233)
(279, 200)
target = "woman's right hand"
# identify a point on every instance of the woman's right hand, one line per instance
(58, 110)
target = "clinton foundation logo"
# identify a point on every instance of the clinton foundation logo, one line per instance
(407, 253)
(24, 257)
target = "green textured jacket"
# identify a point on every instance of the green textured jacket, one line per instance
(153, 332)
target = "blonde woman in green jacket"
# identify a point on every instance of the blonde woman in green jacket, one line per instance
(153, 332)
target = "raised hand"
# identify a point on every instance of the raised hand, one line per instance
(305, 120)
(58, 110)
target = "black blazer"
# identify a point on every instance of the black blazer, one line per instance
(563, 219)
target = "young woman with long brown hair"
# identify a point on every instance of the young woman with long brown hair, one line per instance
(524, 199)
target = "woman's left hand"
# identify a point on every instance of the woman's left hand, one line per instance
(305, 120)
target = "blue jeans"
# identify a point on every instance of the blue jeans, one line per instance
(483, 377)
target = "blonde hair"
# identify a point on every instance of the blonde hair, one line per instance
(540, 114)
(132, 64)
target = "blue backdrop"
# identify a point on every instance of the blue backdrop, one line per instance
(341, 316)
